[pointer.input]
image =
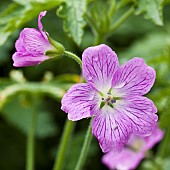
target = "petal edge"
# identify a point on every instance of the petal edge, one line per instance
(78, 101)
(99, 65)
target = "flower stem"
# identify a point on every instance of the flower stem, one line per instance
(74, 57)
(162, 150)
(99, 37)
(121, 20)
(68, 129)
(30, 142)
(90, 19)
(85, 148)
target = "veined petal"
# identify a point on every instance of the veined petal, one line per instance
(41, 15)
(40, 26)
(153, 139)
(34, 42)
(99, 66)
(124, 160)
(26, 59)
(140, 113)
(111, 130)
(19, 45)
(79, 101)
(134, 78)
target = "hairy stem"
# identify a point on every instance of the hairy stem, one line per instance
(74, 57)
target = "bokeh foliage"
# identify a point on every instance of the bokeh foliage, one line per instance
(76, 24)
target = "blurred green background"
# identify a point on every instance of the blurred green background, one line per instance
(139, 35)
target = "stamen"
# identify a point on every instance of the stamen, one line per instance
(107, 100)
(113, 101)
(110, 104)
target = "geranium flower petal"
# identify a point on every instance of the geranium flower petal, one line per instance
(19, 45)
(41, 15)
(134, 151)
(40, 26)
(99, 66)
(111, 131)
(141, 114)
(34, 42)
(79, 101)
(124, 160)
(26, 59)
(153, 139)
(134, 78)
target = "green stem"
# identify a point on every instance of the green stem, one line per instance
(74, 57)
(99, 38)
(121, 20)
(30, 143)
(162, 150)
(112, 9)
(85, 148)
(68, 129)
(91, 22)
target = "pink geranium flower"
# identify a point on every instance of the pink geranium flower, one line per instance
(113, 95)
(130, 157)
(31, 46)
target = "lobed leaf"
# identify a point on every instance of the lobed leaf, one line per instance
(152, 9)
(17, 14)
(74, 22)
(30, 88)
(16, 106)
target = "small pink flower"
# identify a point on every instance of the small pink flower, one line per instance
(113, 95)
(31, 46)
(130, 157)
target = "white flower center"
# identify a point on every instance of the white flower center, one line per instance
(137, 145)
(109, 98)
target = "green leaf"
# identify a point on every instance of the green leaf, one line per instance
(17, 14)
(66, 78)
(150, 46)
(5, 82)
(150, 164)
(74, 22)
(166, 163)
(163, 106)
(153, 10)
(122, 3)
(155, 49)
(54, 91)
(54, 87)
(18, 113)
(25, 2)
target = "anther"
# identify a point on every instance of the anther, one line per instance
(113, 101)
